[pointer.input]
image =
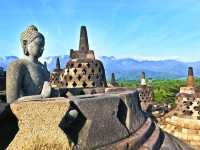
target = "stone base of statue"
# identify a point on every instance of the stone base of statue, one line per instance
(38, 123)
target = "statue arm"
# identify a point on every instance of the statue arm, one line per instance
(14, 81)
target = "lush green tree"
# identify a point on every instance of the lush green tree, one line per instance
(164, 90)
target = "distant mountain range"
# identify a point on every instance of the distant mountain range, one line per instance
(127, 68)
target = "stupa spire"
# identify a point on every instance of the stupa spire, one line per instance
(58, 63)
(143, 80)
(83, 43)
(190, 79)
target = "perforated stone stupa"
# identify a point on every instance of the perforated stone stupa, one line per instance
(145, 93)
(83, 70)
(184, 121)
(55, 77)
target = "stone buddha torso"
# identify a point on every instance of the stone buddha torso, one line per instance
(30, 78)
(33, 76)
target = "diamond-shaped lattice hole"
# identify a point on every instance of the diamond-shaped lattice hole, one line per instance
(84, 84)
(88, 65)
(70, 77)
(75, 70)
(93, 84)
(84, 71)
(79, 65)
(74, 84)
(66, 83)
(93, 71)
(79, 77)
(89, 77)
(100, 70)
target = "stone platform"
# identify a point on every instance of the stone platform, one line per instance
(106, 121)
(186, 129)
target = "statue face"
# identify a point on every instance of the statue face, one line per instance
(36, 47)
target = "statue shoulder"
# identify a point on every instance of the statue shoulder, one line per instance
(17, 65)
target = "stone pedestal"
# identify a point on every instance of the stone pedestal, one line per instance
(38, 123)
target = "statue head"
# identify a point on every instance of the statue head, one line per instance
(32, 42)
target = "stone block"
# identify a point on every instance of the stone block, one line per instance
(134, 116)
(39, 125)
(102, 125)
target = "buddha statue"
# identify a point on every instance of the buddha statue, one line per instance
(26, 76)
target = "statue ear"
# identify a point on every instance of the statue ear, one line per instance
(25, 48)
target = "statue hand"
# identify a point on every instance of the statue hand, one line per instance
(46, 90)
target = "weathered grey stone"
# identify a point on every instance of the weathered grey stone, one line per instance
(26, 76)
(134, 116)
(2, 79)
(3, 110)
(102, 125)
(110, 121)
(172, 143)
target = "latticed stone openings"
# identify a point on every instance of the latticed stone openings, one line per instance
(82, 70)
(146, 95)
(85, 74)
(184, 121)
(56, 79)
(57, 75)
(189, 106)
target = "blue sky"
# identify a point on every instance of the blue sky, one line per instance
(141, 29)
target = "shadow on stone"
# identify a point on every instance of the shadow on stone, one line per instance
(161, 139)
(8, 125)
(72, 126)
(122, 112)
